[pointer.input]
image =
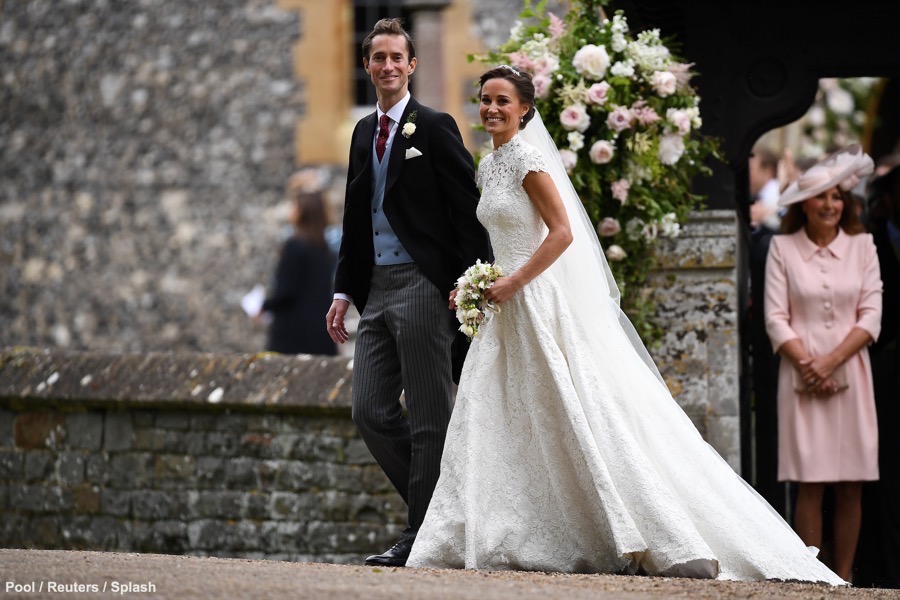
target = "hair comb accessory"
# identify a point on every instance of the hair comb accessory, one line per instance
(513, 69)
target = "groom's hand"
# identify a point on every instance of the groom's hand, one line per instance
(334, 321)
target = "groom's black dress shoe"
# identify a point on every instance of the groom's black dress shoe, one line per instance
(395, 557)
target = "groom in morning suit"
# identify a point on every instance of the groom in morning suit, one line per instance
(409, 232)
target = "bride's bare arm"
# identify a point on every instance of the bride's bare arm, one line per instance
(543, 193)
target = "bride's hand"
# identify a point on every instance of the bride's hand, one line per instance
(453, 298)
(502, 290)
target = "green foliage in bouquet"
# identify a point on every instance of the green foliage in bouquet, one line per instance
(626, 120)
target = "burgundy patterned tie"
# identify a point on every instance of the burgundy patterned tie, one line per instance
(383, 132)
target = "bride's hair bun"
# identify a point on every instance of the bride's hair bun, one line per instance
(521, 80)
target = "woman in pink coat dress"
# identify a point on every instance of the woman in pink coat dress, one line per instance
(822, 309)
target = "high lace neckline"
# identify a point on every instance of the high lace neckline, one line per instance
(505, 147)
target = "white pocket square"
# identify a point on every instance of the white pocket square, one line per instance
(412, 153)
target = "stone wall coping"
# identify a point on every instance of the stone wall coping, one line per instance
(36, 377)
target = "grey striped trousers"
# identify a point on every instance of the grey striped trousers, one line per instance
(403, 344)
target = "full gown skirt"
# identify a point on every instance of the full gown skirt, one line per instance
(562, 459)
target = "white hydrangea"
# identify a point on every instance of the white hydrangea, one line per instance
(517, 31)
(633, 229)
(669, 226)
(619, 24)
(623, 68)
(576, 140)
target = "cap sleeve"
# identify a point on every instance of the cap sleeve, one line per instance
(530, 159)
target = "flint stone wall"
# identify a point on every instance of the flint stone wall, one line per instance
(695, 287)
(232, 455)
(144, 149)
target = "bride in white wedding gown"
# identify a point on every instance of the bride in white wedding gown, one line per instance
(566, 451)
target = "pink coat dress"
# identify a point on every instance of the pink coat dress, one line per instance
(818, 295)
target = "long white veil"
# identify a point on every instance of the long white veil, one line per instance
(582, 271)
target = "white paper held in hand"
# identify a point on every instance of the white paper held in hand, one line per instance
(253, 300)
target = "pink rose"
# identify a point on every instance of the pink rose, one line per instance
(608, 227)
(620, 190)
(664, 83)
(601, 152)
(569, 159)
(680, 118)
(575, 117)
(619, 119)
(597, 93)
(520, 60)
(545, 65)
(541, 85)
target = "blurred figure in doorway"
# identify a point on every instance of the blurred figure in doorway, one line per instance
(878, 560)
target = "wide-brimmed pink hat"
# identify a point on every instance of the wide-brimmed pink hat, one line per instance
(843, 169)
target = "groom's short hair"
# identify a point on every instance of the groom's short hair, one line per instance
(388, 27)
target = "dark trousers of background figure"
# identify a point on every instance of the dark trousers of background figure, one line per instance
(403, 344)
(764, 377)
(878, 557)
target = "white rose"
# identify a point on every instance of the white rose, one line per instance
(602, 152)
(840, 101)
(409, 129)
(816, 116)
(472, 313)
(615, 253)
(671, 147)
(591, 61)
(467, 329)
(663, 83)
(569, 159)
(576, 141)
(575, 117)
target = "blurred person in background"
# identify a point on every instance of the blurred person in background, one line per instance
(878, 561)
(304, 277)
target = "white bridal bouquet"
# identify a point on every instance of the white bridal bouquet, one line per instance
(470, 302)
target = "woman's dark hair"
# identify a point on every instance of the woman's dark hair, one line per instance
(310, 218)
(389, 27)
(795, 219)
(520, 80)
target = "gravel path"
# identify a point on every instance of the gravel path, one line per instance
(172, 576)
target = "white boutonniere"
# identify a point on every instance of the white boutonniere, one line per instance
(409, 127)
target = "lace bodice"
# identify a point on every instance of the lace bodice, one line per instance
(505, 210)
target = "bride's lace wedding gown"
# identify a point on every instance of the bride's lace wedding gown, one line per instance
(554, 462)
